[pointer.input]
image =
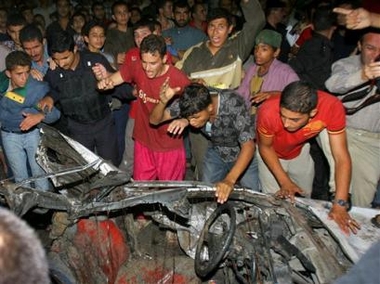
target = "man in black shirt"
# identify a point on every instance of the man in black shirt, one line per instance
(74, 85)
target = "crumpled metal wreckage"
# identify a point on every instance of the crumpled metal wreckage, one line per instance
(183, 236)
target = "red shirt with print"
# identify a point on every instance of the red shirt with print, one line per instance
(133, 60)
(153, 137)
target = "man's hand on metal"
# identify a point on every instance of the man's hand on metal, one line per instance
(223, 190)
(340, 215)
(289, 191)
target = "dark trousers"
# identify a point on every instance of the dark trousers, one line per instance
(99, 137)
(321, 188)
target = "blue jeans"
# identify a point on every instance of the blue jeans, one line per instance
(21, 149)
(215, 170)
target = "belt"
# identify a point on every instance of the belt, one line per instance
(16, 131)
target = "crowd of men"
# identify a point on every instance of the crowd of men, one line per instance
(274, 96)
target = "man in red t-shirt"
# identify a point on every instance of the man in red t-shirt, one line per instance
(158, 155)
(141, 29)
(284, 124)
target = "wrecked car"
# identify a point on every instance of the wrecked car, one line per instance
(106, 228)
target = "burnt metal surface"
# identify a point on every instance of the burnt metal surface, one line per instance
(97, 238)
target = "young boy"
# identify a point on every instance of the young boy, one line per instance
(20, 116)
(120, 38)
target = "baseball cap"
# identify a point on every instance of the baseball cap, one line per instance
(269, 37)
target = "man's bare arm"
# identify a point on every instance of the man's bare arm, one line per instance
(110, 82)
(225, 187)
(159, 113)
(339, 149)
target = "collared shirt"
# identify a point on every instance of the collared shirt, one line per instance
(45, 64)
(184, 37)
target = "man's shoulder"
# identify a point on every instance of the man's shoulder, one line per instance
(169, 32)
(89, 54)
(132, 51)
(278, 65)
(198, 48)
(88, 59)
(35, 83)
(273, 100)
(326, 98)
(192, 55)
(53, 25)
(132, 55)
(329, 105)
(227, 94)
(353, 60)
(177, 73)
(195, 31)
(36, 87)
(270, 106)
(230, 103)
(113, 32)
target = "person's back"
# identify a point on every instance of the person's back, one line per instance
(315, 57)
(22, 256)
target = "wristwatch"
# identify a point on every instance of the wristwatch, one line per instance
(341, 202)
